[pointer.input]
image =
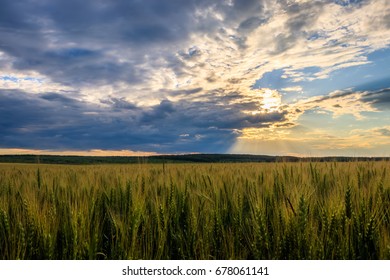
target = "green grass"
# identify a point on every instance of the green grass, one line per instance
(196, 211)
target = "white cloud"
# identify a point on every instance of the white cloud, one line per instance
(292, 89)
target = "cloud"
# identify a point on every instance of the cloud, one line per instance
(292, 89)
(150, 45)
(315, 142)
(343, 102)
(119, 103)
(136, 75)
(91, 42)
(52, 121)
(325, 109)
(383, 131)
(379, 99)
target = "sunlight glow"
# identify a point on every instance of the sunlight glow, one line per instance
(271, 100)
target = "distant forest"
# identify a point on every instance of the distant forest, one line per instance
(200, 158)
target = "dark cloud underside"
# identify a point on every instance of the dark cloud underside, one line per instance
(50, 121)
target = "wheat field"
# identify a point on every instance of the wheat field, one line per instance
(314, 210)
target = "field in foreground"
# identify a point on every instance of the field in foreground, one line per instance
(196, 211)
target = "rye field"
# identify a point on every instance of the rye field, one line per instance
(332, 210)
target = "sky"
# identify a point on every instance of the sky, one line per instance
(145, 77)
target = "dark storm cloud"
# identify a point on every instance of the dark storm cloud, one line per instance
(76, 43)
(136, 22)
(37, 35)
(71, 41)
(52, 121)
(78, 66)
(10, 16)
(204, 115)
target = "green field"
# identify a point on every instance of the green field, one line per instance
(196, 211)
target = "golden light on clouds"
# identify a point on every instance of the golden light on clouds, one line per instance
(271, 100)
(268, 100)
(314, 142)
(267, 133)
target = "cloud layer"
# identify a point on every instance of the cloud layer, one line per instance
(176, 76)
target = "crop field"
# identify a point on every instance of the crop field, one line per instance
(196, 211)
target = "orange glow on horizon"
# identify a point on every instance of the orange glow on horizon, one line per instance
(94, 152)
